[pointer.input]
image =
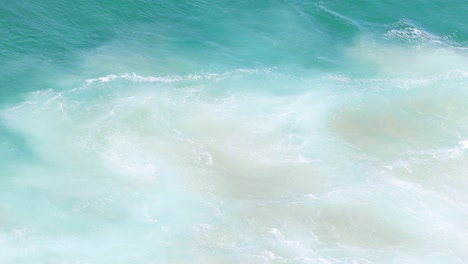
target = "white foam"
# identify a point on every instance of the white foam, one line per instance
(463, 144)
(138, 78)
(400, 62)
(263, 174)
(412, 35)
(133, 77)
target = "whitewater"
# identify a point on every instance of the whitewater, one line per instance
(246, 132)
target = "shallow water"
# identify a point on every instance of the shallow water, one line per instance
(246, 132)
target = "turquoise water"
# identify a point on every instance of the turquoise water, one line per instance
(234, 131)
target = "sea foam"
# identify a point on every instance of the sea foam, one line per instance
(306, 176)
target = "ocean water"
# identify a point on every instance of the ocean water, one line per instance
(199, 131)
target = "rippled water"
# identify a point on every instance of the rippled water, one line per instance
(234, 132)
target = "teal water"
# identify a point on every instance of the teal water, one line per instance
(294, 131)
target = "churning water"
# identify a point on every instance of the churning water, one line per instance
(276, 131)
